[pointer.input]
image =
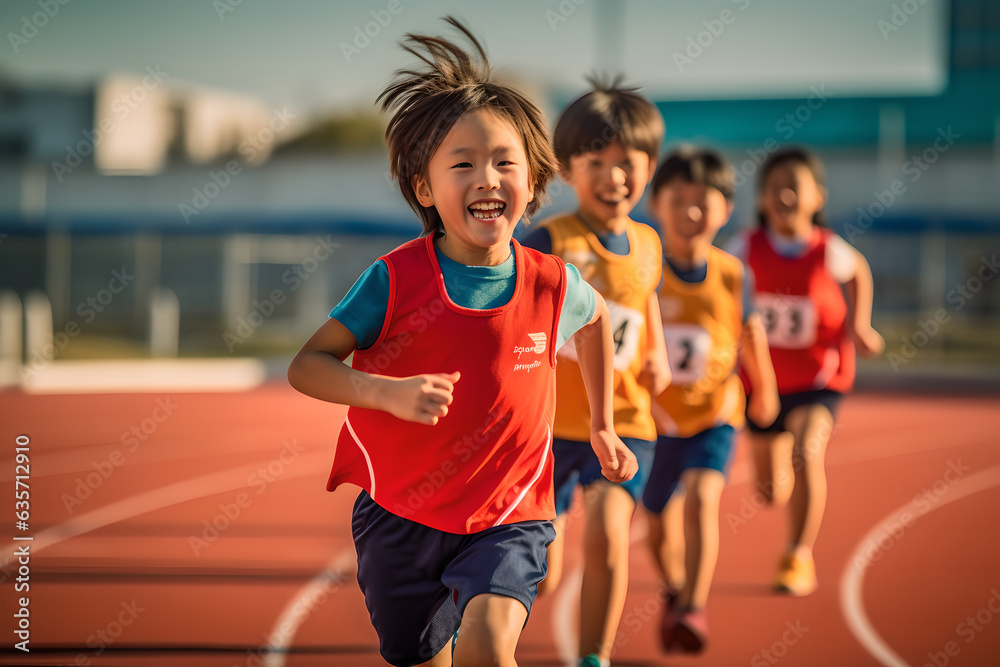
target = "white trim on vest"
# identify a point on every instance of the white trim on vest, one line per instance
(371, 471)
(538, 473)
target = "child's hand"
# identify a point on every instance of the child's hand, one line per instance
(655, 374)
(618, 462)
(763, 408)
(420, 398)
(868, 342)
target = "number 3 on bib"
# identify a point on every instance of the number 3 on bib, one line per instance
(790, 320)
(626, 326)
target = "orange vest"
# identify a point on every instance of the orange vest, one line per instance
(702, 323)
(626, 282)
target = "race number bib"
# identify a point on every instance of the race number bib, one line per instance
(790, 320)
(626, 327)
(688, 349)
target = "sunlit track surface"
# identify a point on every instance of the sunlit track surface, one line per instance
(207, 538)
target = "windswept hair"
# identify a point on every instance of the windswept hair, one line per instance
(700, 166)
(800, 155)
(426, 103)
(609, 112)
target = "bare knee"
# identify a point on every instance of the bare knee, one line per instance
(491, 626)
(606, 533)
(704, 490)
(479, 654)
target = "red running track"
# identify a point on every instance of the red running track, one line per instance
(194, 529)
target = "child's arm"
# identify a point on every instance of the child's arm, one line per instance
(318, 371)
(595, 350)
(860, 293)
(664, 423)
(655, 374)
(756, 360)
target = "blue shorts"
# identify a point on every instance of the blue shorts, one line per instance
(827, 397)
(576, 464)
(712, 449)
(418, 580)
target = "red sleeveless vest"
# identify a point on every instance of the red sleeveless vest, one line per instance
(805, 314)
(488, 461)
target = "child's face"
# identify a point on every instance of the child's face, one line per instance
(690, 215)
(610, 182)
(477, 180)
(790, 198)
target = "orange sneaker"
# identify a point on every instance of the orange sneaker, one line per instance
(796, 576)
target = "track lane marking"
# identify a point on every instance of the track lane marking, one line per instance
(851, 600)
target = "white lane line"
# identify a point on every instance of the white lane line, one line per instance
(174, 494)
(341, 569)
(851, 601)
(125, 376)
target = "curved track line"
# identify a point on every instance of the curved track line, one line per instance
(339, 570)
(851, 602)
(174, 494)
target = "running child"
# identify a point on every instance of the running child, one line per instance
(802, 272)
(452, 382)
(709, 326)
(606, 143)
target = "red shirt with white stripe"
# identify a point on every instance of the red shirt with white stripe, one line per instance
(805, 313)
(488, 461)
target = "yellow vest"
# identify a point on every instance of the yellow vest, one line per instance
(626, 282)
(702, 323)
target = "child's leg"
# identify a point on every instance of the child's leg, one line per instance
(495, 578)
(701, 531)
(663, 500)
(811, 425)
(605, 574)
(568, 457)
(554, 557)
(665, 538)
(399, 572)
(656, 540)
(491, 626)
(771, 455)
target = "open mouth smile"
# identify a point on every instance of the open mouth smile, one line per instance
(487, 210)
(612, 201)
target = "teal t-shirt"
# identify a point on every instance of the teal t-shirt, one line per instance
(363, 310)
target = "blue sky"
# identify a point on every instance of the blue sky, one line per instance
(308, 54)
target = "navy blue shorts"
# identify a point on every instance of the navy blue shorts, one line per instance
(418, 580)
(827, 397)
(712, 448)
(576, 464)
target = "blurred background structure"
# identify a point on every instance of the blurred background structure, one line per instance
(163, 193)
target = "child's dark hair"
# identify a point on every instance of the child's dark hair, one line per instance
(608, 113)
(426, 104)
(800, 155)
(700, 166)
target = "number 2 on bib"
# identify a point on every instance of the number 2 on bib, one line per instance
(688, 349)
